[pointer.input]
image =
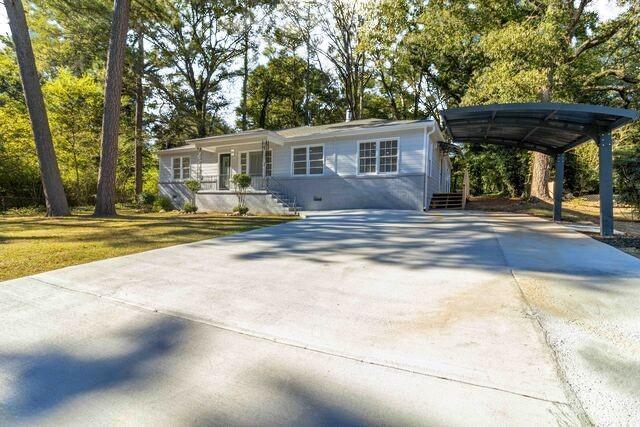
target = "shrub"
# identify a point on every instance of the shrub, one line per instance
(146, 199)
(190, 208)
(242, 210)
(164, 203)
(627, 168)
(193, 185)
(241, 182)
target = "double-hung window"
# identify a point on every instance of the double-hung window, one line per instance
(367, 157)
(308, 160)
(243, 163)
(388, 156)
(181, 168)
(378, 157)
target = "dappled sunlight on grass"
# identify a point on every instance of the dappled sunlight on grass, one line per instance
(33, 244)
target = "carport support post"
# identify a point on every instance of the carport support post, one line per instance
(558, 187)
(606, 184)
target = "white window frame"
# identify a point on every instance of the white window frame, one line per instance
(307, 147)
(377, 141)
(248, 172)
(182, 177)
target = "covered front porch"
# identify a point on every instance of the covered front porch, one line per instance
(249, 153)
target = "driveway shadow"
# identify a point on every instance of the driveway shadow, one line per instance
(51, 377)
(418, 241)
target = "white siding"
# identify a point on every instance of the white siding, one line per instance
(209, 163)
(166, 165)
(411, 148)
(341, 155)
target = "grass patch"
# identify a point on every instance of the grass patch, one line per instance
(33, 244)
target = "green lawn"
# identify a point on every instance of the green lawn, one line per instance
(33, 244)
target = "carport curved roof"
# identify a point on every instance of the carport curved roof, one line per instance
(546, 127)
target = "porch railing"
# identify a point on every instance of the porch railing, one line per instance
(281, 192)
(269, 184)
(209, 182)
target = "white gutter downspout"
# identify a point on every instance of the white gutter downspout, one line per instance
(427, 157)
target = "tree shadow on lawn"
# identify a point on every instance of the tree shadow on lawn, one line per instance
(145, 231)
(51, 377)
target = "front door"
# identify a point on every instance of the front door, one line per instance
(225, 171)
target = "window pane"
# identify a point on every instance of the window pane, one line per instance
(300, 161)
(243, 162)
(176, 168)
(315, 153)
(316, 163)
(388, 157)
(255, 163)
(186, 168)
(268, 162)
(299, 168)
(367, 156)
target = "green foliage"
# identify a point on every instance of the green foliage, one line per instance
(189, 207)
(34, 210)
(627, 173)
(276, 94)
(193, 185)
(146, 199)
(163, 203)
(241, 181)
(241, 210)
(497, 170)
(75, 116)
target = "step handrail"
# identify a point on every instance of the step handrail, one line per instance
(276, 188)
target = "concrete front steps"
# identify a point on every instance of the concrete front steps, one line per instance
(446, 201)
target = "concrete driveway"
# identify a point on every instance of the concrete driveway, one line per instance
(361, 317)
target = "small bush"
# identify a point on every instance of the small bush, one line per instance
(242, 210)
(627, 168)
(146, 199)
(241, 180)
(193, 185)
(163, 203)
(190, 208)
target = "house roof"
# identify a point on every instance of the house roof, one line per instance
(310, 133)
(545, 127)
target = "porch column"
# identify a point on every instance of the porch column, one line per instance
(606, 184)
(199, 164)
(264, 159)
(558, 187)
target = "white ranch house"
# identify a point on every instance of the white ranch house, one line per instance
(356, 164)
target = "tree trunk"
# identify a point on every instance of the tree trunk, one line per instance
(541, 162)
(55, 198)
(139, 112)
(245, 77)
(106, 196)
(307, 87)
(540, 176)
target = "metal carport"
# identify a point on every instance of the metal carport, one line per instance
(550, 128)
